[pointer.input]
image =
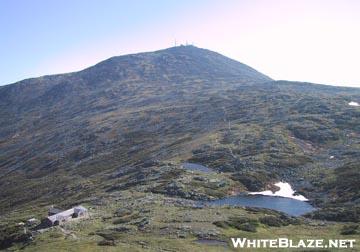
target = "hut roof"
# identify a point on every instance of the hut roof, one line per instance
(67, 213)
(80, 209)
(53, 211)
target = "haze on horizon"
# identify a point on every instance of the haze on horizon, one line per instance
(300, 40)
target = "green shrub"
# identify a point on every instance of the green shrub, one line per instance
(126, 218)
(56, 235)
(271, 221)
(345, 214)
(243, 223)
(10, 234)
(106, 243)
(122, 212)
(349, 230)
(221, 224)
(248, 227)
(108, 234)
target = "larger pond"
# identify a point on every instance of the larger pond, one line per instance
(284, 200)
(287, 205)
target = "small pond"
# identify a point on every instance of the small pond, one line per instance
(287, 205)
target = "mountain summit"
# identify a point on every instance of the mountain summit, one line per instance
(176, 62)
(174, 65)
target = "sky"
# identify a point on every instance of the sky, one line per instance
(301, 40)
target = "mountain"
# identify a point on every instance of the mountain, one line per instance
(52, 123)
(127, 124)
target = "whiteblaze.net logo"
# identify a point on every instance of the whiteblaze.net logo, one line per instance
(288, 243)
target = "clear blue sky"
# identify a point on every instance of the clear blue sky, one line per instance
(304, 40)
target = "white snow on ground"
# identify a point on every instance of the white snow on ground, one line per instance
(285, 191)
(354, 104)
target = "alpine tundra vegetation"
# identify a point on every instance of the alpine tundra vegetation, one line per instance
(144, 141)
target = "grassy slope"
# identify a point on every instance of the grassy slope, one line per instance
(166, 223)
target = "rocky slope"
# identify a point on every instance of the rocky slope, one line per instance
(125, 110)
(128, 123)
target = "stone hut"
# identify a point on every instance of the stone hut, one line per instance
(67, 215)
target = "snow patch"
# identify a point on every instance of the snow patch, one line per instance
(285, 191)
(352, 103)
